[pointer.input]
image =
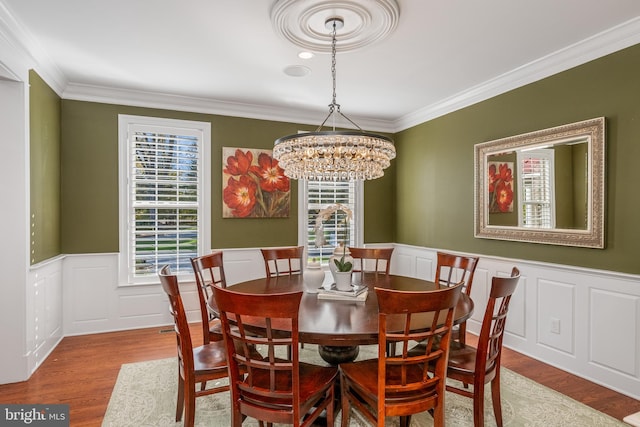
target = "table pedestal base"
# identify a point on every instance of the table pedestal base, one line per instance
(338, 354)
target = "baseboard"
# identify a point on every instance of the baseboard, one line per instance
(633, 419)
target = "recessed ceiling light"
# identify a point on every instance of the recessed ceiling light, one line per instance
(297, 70)
(305, 55)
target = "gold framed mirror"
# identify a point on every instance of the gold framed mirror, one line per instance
(545, 186)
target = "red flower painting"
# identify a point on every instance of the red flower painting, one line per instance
(500, 187)
(253, 189)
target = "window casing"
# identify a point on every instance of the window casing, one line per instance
(316, 195)
(164, 183)
(536, 199)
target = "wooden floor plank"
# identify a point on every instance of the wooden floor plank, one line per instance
(82, 371)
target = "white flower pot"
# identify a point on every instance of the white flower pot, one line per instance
(337, 254)
(343, 280)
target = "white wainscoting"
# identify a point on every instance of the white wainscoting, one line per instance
(597, 314)
(44, 327)
(581, 304)
(95, 302)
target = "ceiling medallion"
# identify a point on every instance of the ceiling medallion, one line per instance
(302, 22)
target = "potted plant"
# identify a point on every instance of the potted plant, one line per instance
(341, 256)
(343, 264)
(343, 271)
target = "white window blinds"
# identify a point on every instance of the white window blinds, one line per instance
(164, 198)
(536, 198)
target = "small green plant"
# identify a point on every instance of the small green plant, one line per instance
(343, 266)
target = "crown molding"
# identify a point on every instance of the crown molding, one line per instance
(26, 46)
(137, 98)
(616, 38)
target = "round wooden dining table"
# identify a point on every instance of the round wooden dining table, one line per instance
(339, 327)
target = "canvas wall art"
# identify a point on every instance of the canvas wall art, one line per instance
(253, 184)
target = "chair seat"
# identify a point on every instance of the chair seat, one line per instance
(462, 359)
(314, 380)
(363, 375)
(210, 357)
(215, 330)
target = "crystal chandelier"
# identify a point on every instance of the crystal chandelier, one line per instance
(334, 155)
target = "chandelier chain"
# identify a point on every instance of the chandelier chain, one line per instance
(333, 66)
(334, 107)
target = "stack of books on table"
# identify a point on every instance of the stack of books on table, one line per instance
(357, 293)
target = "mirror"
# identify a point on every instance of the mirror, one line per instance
(545, 186)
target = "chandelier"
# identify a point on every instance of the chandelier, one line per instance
(334, 155)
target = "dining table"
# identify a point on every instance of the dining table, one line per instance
(339, 327)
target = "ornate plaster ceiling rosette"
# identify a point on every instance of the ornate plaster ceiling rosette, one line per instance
(302, 22)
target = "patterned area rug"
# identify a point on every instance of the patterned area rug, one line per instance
(145, 395)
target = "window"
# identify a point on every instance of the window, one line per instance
(316, 195)
(536, 207)
(164, 182)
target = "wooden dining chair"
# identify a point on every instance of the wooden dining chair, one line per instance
(402, 385)
(276, 389)
(283, 261)
(209, 272)
(454, 270)
(373, 260)
(196, 364)
(377, 260)
(481, 365)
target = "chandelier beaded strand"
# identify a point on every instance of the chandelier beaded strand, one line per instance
(334, 155)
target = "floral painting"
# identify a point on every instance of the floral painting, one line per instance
(253, 185)
(500, 187)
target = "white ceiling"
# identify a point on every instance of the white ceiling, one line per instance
(224, 56)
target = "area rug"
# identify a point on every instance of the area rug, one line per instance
(145, 395)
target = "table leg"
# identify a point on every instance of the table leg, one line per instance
(336, 355)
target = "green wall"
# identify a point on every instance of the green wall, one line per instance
(90, 180)
(434, 168)
(425, 198)
(44, 170)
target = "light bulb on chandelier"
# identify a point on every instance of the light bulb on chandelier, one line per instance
(334, 155)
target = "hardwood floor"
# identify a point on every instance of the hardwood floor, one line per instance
(82, 371)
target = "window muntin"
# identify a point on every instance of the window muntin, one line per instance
(163, 215)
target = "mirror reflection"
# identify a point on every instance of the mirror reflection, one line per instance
(544, 187)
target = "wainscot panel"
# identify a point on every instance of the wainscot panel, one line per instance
(44, 328)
